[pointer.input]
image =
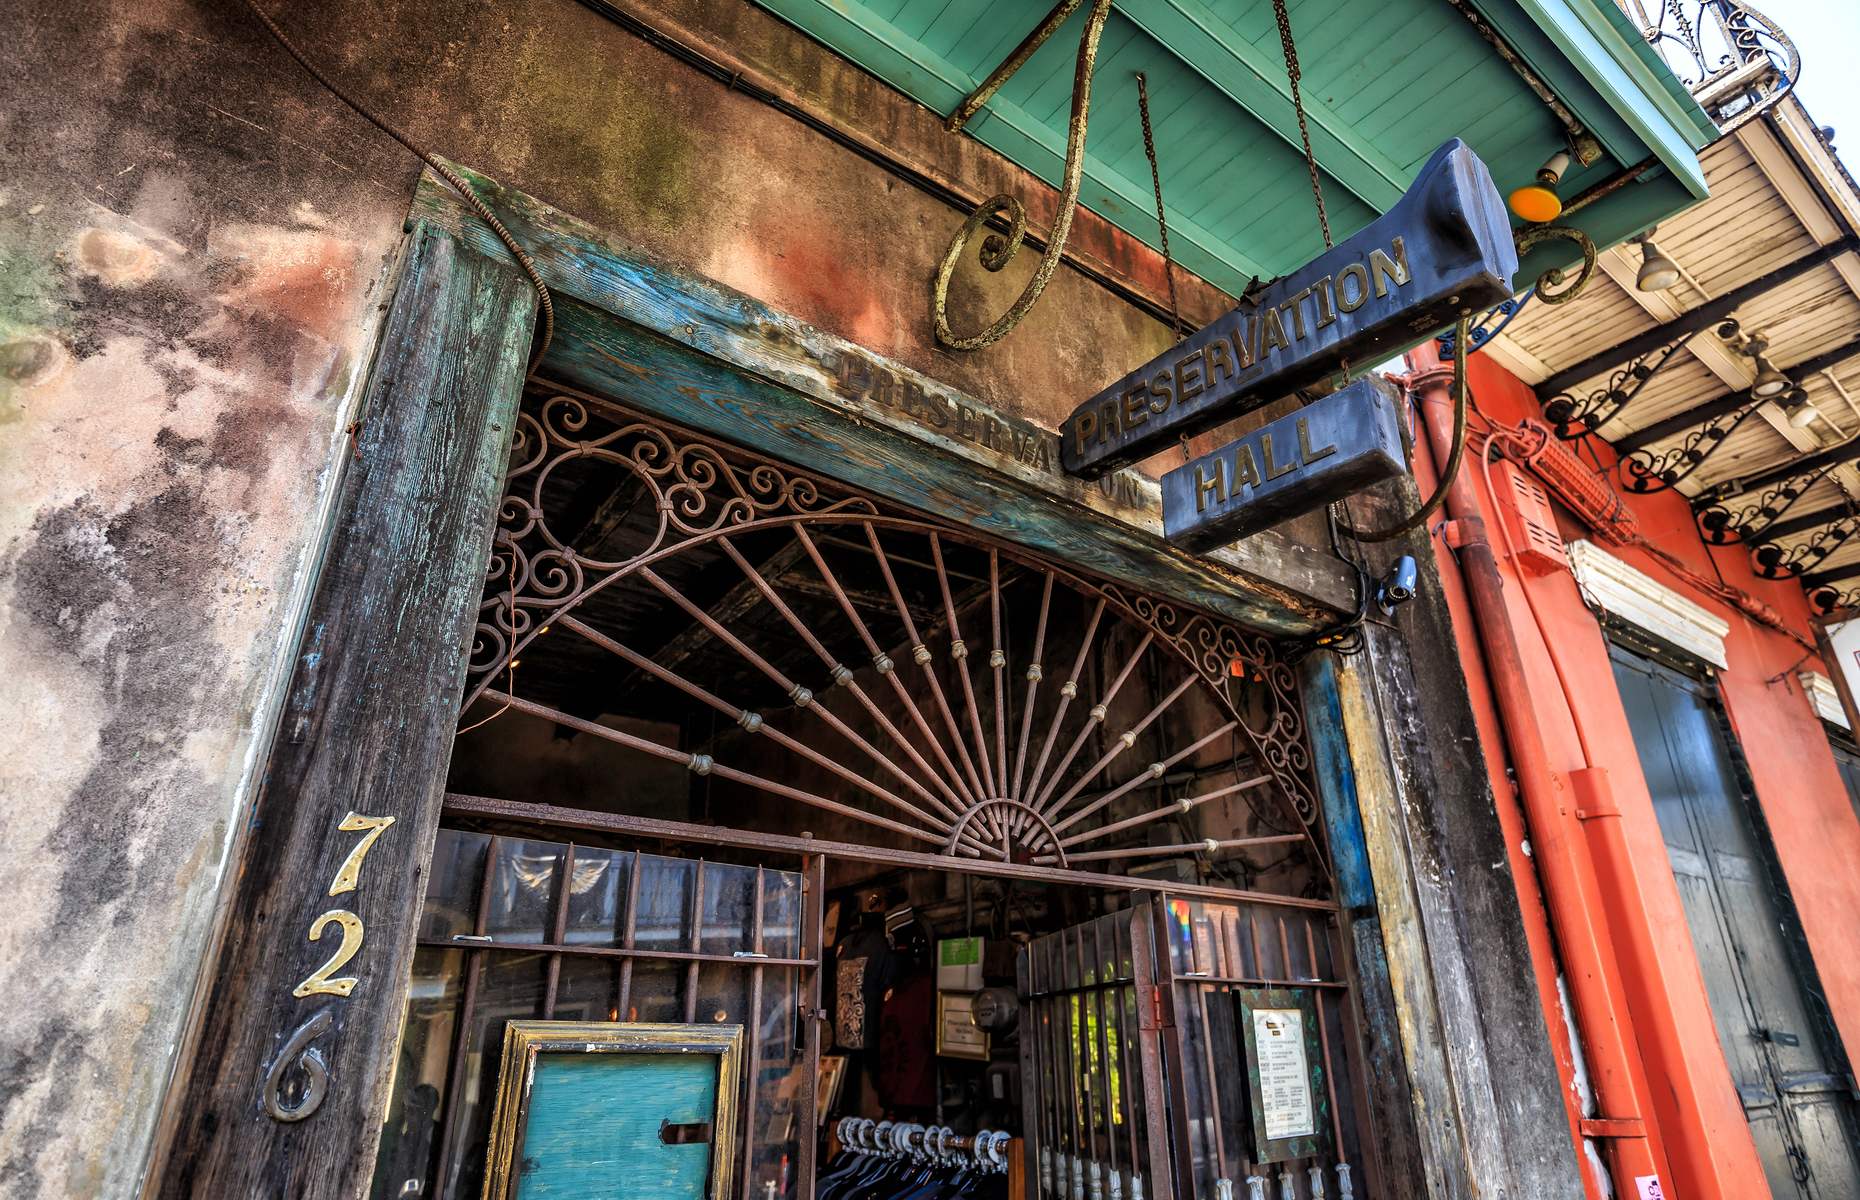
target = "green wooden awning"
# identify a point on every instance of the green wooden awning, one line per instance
(1384, 82)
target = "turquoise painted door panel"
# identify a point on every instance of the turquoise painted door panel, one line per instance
(595, 1121)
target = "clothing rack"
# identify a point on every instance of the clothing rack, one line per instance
(985, 1150)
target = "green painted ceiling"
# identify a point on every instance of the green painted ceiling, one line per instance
(1384, 82)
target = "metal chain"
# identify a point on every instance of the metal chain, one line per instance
(1162, 221)
(1298, 105)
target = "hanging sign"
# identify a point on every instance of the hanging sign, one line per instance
(1341, 444)
(1445, 248)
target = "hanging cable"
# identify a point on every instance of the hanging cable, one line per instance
(445, 172)
(1449, 470)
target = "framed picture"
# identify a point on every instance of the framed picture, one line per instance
(658, 1103)
(827, 1088)
(957, 1034)
(1289, 1096)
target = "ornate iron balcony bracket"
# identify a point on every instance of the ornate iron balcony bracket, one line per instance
(998, 250)
(1771, 560)
(1645, 471)
(1573, 417)
(1722, 525)
(1831, 599)
(1490, 323)
(1736, 62)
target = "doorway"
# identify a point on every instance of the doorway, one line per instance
(989, 858)
(1790, 1073)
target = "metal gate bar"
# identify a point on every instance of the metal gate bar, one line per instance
(458, 804)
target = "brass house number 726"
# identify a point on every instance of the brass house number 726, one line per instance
(297, 1051)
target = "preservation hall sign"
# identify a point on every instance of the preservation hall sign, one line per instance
(1445, 248)
(1343, 443)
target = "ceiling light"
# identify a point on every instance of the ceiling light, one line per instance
(1538, 202)
(1657, 271)
(1804, 416)
(1769, 382)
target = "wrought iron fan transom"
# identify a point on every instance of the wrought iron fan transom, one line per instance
(937, 688)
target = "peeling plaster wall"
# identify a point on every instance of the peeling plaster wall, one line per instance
(194, 245)
(192, 248)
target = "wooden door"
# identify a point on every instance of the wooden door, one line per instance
(1787, 1067)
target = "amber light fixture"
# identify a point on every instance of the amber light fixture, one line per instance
(1538, 202)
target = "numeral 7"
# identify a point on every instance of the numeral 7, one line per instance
(351, 871)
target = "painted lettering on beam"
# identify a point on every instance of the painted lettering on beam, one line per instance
(1443, 249)
(1341, 444)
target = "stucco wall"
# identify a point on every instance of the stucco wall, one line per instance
(195, 240)
(193, 249)
(1798, 790)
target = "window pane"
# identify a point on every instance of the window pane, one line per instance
(666, 888)
(510, 987)
(729, 909)
(597, 897)
(453, 886)
(523, 884)
(781, 914)
(410, 1134)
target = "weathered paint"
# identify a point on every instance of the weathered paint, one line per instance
(1815, 831)
(192, 241)
(191, 246)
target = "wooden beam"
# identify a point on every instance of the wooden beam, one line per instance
(1395, 744)
(830, 379)
(1697, 318)
(366, 733)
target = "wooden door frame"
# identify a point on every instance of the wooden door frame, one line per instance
(368, 725)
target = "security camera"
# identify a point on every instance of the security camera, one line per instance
(1398, 586)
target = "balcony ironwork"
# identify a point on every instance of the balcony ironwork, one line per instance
(1736, 62)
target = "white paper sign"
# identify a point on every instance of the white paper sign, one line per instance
(1649, 1187)
(1284, 1075)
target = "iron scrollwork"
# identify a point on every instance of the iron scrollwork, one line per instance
(1551, 287)
(1575, 416)
(1646, 471)
(1832, 599)
(998, 250)
(1722, 525)
(1772, 560)
(1736, 62)
(950, 782)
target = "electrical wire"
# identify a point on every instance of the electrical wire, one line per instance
(440, 168)
(1452, 466)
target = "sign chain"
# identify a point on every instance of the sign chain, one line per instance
(1162, 221)
(1298, 106)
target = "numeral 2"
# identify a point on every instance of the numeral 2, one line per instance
(319, 982)
(351, 870)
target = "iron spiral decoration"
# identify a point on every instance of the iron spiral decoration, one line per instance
(1737, 62)
(894, 671)
(1773, 560)
(997, 251)
(1647, 470)
(1574, 416)
(1723, 525)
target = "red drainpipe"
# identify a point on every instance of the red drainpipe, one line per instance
(1557, 847)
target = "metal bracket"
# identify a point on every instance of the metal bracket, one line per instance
(997, 251)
